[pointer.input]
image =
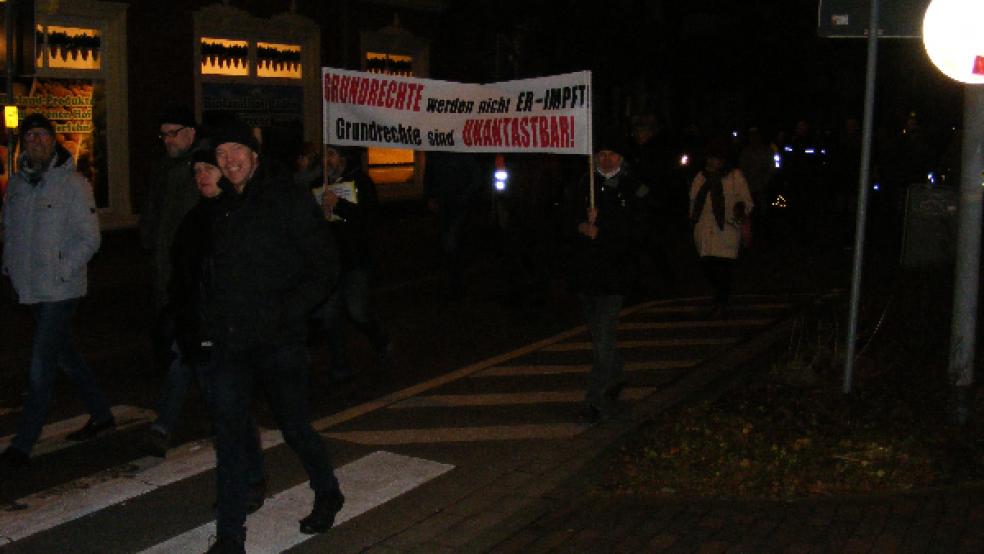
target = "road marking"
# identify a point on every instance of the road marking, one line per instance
(53, 435)
(689, 309)
(647, 325)
(517, 370)
(366, 483)
(651, 343)
(460, 434)
(50, 508)
(509, 398)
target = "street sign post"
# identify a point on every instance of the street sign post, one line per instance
(851, 18)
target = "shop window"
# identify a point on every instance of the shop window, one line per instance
(225, 57)
(389, 64)
(62, 47)
(390, 165)
(278, 60)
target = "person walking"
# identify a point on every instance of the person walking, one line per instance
(349, 201)
(51, 231)
(602, 269)
(719, 202)
(273, 263)
(172, 195)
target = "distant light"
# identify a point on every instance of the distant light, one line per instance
(823, 151)
(500, 186)
(787, 148)
(876, 186)
(931, 177)
(10, 117)
(810, 151)
(953, 40)
(734, 134)
(780, 202)
(501, 175)
(684, 160)
(778, 159)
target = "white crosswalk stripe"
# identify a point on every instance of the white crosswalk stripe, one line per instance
(366, 483)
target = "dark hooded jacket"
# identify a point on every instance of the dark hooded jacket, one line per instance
(272, 263)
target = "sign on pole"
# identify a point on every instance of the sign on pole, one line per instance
(545, 114)
(851, 18)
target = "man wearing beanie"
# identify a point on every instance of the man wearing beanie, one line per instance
(602, 266)
(171, 195)
(273, 263)
(50, 233)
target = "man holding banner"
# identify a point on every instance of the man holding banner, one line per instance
(605, 226)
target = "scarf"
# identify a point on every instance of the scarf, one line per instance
(714, 187)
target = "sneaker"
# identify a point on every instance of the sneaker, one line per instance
(156, 442)
(322, 516)
(92, 429)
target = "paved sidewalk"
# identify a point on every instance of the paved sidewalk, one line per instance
(549, 501)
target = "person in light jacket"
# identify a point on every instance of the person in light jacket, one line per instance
(50, 233)
(719, 203)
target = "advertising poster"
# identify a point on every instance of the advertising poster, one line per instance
(77, 108)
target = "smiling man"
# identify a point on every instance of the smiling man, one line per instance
(273, 263)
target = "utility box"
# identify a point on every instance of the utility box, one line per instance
(930, 229)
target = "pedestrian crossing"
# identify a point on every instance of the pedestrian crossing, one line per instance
(524, 395)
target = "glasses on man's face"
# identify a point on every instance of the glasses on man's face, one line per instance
(36, 134)
(170, 134)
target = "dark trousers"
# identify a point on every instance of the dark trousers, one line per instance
(601, 316)
(53, 348)
(720, 273)
(352, 298)
(280, 372)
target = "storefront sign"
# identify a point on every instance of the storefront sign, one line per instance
(546, 114)
(76, 107)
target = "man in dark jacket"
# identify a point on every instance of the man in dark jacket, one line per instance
(602, 267)
(272, 264)
(349, 202)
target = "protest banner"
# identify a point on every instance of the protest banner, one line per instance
(545, 114)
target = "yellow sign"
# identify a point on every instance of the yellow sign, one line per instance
(10, 117)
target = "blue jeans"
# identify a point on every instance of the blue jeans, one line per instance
(352, 298)
(52, 348)
(281, 373)
(171, 403)
(601, 316)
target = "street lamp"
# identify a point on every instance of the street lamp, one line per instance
(954, 40)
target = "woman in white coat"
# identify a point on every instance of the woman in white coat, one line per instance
(719, 203)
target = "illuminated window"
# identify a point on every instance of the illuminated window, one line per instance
(390, 165)
(68, 48)
(278, 60)
(225, 57)
(390, 64)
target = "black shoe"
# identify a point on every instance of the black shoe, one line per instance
(257, 496)
(322, 516)
(614, 391)
(590, 414)
(92, 429)
(255, 500)
(11, 460)
(226, 546)
(156, 442)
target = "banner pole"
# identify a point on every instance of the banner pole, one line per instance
(591, 185)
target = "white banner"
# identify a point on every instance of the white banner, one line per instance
(546, 114)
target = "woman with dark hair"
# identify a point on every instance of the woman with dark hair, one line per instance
(719, 203)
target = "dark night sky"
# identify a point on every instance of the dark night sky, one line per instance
(721, 63)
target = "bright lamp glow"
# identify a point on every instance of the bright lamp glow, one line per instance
(953, 38)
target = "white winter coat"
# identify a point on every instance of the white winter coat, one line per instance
(708, 238)
(50, 233)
